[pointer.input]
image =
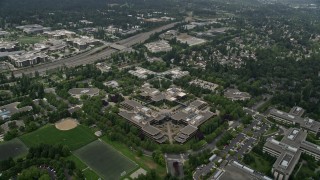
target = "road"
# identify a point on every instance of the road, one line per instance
(91, 56)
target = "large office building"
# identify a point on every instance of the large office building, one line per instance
(294, 118)
(288, 152)
(33, 28)
(60, 34)
(188, 117)
(28, 59)
(8, 46)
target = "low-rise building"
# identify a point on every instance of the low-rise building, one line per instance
(288, 152)
(236, 95)
(60, 34)
(78, 92)
(147, 119)
(33, 28)
(190, 40)
(28, 59)
(159, 46)
(205, 84)
(83, 42)
(8, 46)
(294, 117)
(4, 33)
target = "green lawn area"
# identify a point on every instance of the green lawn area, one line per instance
(304, 172)
(260, 164)
(74, 138)
(14, 148)
(105, 160)
(88, 173)
(271, 130)
(145, 162)
(30, 39)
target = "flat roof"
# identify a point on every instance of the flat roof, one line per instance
(188, 130)
(81, 91)
(151, 130)
(236, 94)
(286, 162)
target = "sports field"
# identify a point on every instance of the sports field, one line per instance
(13, 148)
(74, 138)
(105, 160)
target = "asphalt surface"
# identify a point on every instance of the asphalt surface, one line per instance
(91, 56)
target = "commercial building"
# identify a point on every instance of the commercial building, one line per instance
(83, 42)
(33, 28)
(28, 59)
(288, 152)
(236, 95)
(141, 72)
(204, 84)
(189, 118)
(142, 117)
(60, 34)
(8, 46)
(294, 118)
(159, 46)
(190, 40)
(237, 171)
(171, 94)
(77, 92)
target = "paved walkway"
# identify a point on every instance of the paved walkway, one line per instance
(169, 133)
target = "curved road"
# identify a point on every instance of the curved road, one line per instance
(90, 56)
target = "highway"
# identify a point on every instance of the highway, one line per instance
(91, 56)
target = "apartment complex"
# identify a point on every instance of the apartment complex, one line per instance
(288, 152)
(294, 118)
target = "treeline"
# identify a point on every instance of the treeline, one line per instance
(42, 156)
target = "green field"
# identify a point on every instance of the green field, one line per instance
(87, 172)
(30, 40)
(105, 160)
(13, 148)
(144, 162)
(74, 138)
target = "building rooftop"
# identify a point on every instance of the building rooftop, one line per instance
(159, 46)
(235, 94)
(25, 56)
(84, 91)
(190, 40)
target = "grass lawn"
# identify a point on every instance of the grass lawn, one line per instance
(270, 131)
(145, 162)
(105, 160)
(30, 40)
(14, 148)
(88, 173)
(74, 138)
(260, 164)
(304, 172)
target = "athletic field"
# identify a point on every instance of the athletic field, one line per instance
(74, 138)
(106, 161)
(13, 148)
